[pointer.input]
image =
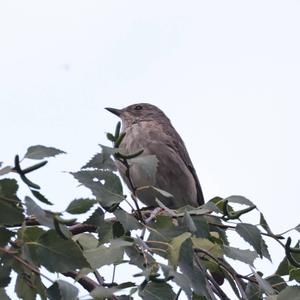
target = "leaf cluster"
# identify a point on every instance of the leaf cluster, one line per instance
(184, 251)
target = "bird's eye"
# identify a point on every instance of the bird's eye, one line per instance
(138, 107)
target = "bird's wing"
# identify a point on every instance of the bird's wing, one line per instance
(178, 144)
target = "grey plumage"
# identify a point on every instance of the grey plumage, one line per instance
(148, 128)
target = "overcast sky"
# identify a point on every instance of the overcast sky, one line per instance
(225, 72)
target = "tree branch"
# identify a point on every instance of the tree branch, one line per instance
(81, 227)
(86, 282)
(228, 269)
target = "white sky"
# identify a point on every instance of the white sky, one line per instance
(225, 72)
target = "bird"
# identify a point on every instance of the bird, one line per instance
(147, 127)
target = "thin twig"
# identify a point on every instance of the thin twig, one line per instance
(178, 294)
(8, 251)
(132, 208)
(153, 214)
(86, 282)
(228, 269)
(81, 227)
(113, 275)
(225, 226)
(210, 289)
(9, 200)
(217, 288)
(99, 277)
(24, 263)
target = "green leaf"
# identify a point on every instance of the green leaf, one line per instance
(180, 279)
(253, 291)
(147, 165)
(9, 188)
(139, 258)
(105, 293)
(101, 161)
(40, 152)
(157, 291)
(40, 197)
(51, 253)
(80, 206)
(198, 297)
(11, 212)
(128, 221)
(277, 282)
(297, 228)
(3, 295)
(252, 235)
(109, 150)
(189, 222)
(213, 248)
(43, 217)
(106, 232)
(283, 268)
(5, 278)
(31, 168)
(194, 211)
(29, 235)
(264, 223)
(289, 293)
(96, 218)
(105, 186)
(264, 284)
(239, 200)
(245, 256)
(202, 226)
(164, 229)
(192, 270)
(86, 241)
(62, 290)
(118, 130)
(103, 255)
(38, 285)
(295, 274)
(23, 290)
(5, 236)
(265, 251)
(110, 137)
(5, 170)
(175, 246)
(215, 204)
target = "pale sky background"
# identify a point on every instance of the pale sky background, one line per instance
(226, 73)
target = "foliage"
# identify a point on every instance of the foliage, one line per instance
(180, 251)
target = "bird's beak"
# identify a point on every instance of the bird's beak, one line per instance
(114, 111)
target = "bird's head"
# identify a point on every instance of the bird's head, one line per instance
(139, 112)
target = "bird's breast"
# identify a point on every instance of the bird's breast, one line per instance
(140, 135)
